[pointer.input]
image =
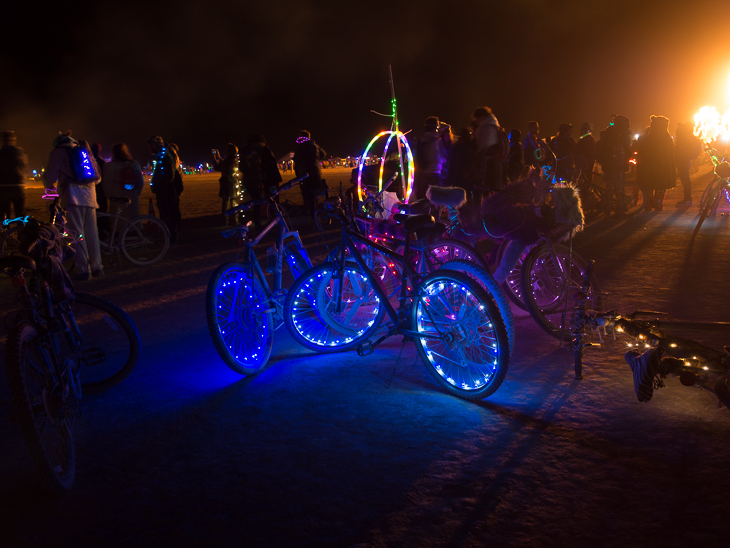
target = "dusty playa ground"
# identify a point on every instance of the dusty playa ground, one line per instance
(326, 451)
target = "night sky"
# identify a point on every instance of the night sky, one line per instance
(202, 74)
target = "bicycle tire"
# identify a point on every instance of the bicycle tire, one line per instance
(493, 289)
(708, 193)
(710, 205)
(10, 243)
(310, 315)
(474, 362)
(512, 285)
(144, 240)
(41, 409)
(447, 249)
(111, 345)
(549, 300)
(239, 325)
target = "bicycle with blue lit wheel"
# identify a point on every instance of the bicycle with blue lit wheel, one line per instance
(455, 324)
(242, 309)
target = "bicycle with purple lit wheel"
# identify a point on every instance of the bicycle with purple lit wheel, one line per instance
(242, 309)
(454, 323)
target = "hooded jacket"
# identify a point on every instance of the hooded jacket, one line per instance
(485, 134)
(60, 170)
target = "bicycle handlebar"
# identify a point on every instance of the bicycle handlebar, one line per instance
(273, 191)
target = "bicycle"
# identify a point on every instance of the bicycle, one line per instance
(718, 189)
(242, 310)
(56, 348)
(546, 273)
(143, 240)
(696, 364)
(457, 328)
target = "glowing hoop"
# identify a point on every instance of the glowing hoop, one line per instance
(411, 170)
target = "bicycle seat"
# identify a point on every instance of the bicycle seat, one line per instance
(16, 262)
(434, 231)
(411, 223)
(416, 208)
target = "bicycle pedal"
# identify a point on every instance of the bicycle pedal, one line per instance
(366, 348)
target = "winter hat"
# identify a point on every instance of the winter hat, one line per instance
(431, 123)
(565, 128)
(586, 127)
(155, 140)
(659, 122)
(620, 122)
(63, 138)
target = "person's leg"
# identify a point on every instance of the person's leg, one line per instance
(509, 259)
(610, 182)
(91, 235)
(18, 199)
(5, 202)
(75, 220)
(686, 185)
(165, 206)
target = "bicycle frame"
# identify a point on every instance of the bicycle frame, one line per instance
(349, 237)
(282, 234)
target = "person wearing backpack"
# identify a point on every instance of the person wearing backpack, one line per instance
(74, 173)
(491, 150)
(122, 178)
(687, 147)
(165, 164)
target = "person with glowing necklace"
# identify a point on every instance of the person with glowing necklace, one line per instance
(164, 165)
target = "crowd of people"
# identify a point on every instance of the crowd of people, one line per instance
(484, 158)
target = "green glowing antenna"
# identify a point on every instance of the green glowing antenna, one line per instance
(394, 128)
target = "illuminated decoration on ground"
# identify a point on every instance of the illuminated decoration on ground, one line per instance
(403, 141)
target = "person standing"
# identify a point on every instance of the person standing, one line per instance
(165, 163)
(655, 167)
(78, 197)
(532, 143)
(487, 145)
(585, 152)
(261, 175)
(515, 167)
(122, 178)
(613, 154)
(562, 145)
(307, 157)
(101, 198)
(432, 155)
(459, 162)
(228, 182)
(687, 147)
(13, 168)
(178, 184)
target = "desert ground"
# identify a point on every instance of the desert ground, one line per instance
(328, 451)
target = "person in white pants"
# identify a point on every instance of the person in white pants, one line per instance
(78, 198)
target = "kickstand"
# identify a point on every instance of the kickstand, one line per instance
(396, 362)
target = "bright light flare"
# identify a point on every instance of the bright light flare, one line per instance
(710, 125)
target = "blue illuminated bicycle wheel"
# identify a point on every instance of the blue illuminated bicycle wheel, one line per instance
(238, 321)
(464, 343)
(327, 313)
